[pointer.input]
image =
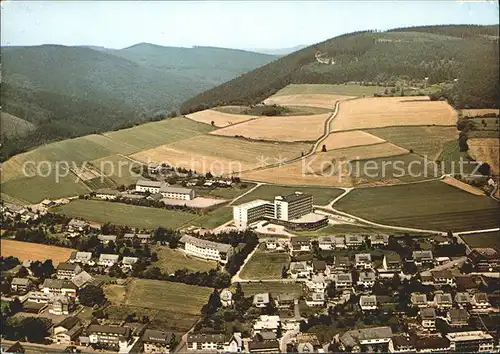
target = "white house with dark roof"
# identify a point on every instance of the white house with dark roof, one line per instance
(367, 279)
(67, 270)
(419, 300)
(391, 263)
(480, 302)
(67, 331)
(354, 241)
(443, 301)
(81, 257)
(107, 260)
(457, 318)
(21, 285)
(326, 243)
(379, 240)
(363, 260)
(368, 302)
(423, 257)
(428, 318)
(157, 341)
(105, 239)
(206, 249)
(177, 193)
(59, 287)
(356, 339)
(128, 262)
(443, 277)
(339, 241)
(462, 298)
(343, 280)
(261, 300)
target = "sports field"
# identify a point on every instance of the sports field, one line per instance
(265, 265)
(219, 118)
(376, 112)
(483, 240)
(425, 141)
(170, 260)
(348, 89)
(222, 155)
(341, 140)
(486, 150)
(34, 251)
(124, 214)
(281, 128)
(321, 196)
(308, 100)
(430, 205)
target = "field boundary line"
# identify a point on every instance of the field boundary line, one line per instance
(247, 192)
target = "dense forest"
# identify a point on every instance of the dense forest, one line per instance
(61, 92)
(466, 55)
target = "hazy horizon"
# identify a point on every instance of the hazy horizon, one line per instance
(225, 24)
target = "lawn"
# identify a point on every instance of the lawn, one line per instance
(170, 260)
(124, 214)
(349, 90)
(430, 205)
(148, 135)
(274, 288)
(483, 239)
(214, 218)
(265, 265)
(425, 141)
(321, 196)
(34, 251)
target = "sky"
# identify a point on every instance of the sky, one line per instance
(229, 24)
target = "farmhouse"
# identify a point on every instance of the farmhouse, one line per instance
(107, 260)
(109, 335)
(67, 331)
(21, 285)
(67, 270)
(206, 249)
(157, 341)
(59, 287)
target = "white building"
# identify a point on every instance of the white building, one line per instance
(248, 213)
(379, 240)
(343, 280)
(428, 318)
(67, 270)
(353, 241)
(368, 302)
(109, 335)
(128, 262)
(61, 305)
(206, 249)
(157, 341)
(107, 260)
(81, 257)
(266, 323)
(363, 260)
(423, 257)
(292, 206)
(55, 287)
(472, 342)
(326, 242)
(177, 193)
(152, 187)
(367, 279)
(317, 283)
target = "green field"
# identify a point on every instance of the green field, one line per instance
(451, 158)
(425, 141)
(321, 196)
(265, 265)
(214, 218)
(170, 260)
(349, 90)
(274, 288)
(225, 193)
(292, 110)
(483, 239)
(35, 189)
(124, 214)
(153, 134)
(430, 205)
(118, 168)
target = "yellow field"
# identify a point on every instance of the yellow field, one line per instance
(220, 119)
(486, 150)
(221, 155)
(375, 112)
(347, 139)
(34, 251)
(283, 128)
(309, 100)
(322, 168)
(479, 112)
(462, 185)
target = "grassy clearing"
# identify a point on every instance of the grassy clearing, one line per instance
(34, 251)
(265, 265)
(483, 239)
(123, 214)
(118, 168)
(321, 196)
(273, 288)
(425, 141)
(148, 135)
(170, 260)
(115, 293)
(349, 90)
(429, 205)
(214, 218)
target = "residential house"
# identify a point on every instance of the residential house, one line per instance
(300, 244)
(107, 260)
(379, 240)
(307, 343)
(107, 194)
(440, 240)
(38, 297)
(157, 341)
(342, 263)
(457, 318)
(419, 300)
(105, 239)
(226, 298)
(354, 241)
(367, 339)
(462, 299)
(67, 331)
(471, 342)
(271, 243)
(21, 285)
(363, 260)
(367, 279)
(143, 238)
(261, 300)
(266, 323)
(285, 301)
(82, 279)
(423, 258)
(81, 257)
(428, 318)
(319, 267)
(485, 259)
(391, 262)
(109, 335)
(443, 277)
(443, 301)
(315, 298)
(206, 249)
(339, 242)
(480, 302)
(59, 287)
(75, 225)
(299, 270)
(128, 262)
(368, 302)
(326, 243)
(61, 305)
(432, 344)
(233, 343)
(343, 280)
(317, 283)
(67, 270)
(401, 344)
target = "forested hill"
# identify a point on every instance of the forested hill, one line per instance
(70, 91)
(467, 53)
